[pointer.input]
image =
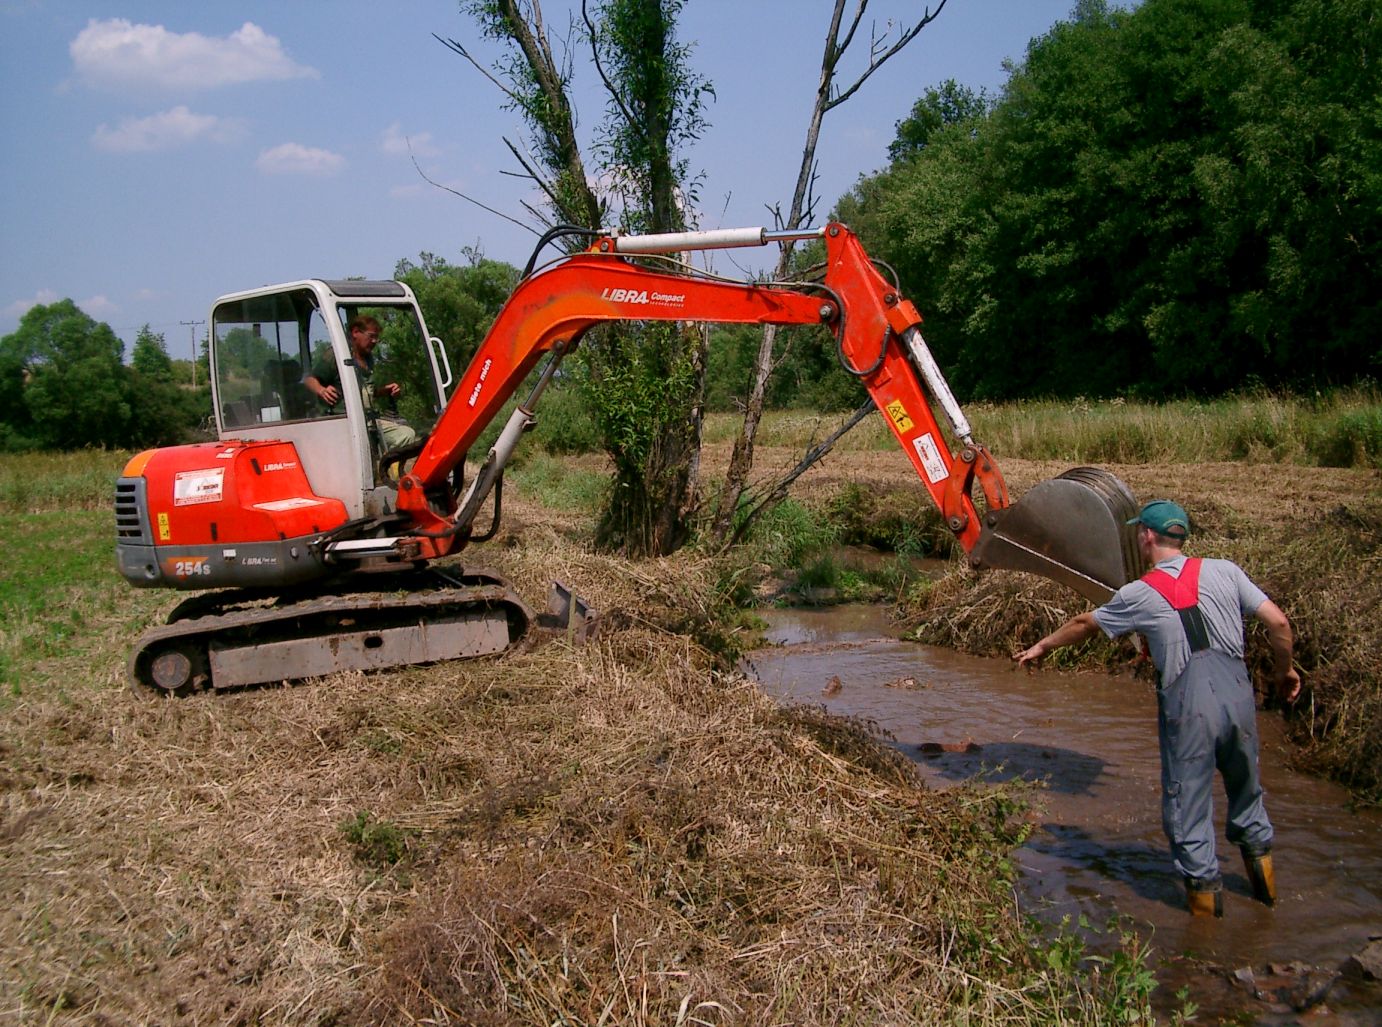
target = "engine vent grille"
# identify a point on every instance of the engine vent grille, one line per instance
(131, 512)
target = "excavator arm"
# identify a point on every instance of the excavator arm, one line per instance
(879, 340)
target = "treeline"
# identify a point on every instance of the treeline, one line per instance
(1179, 199)
(64, 384)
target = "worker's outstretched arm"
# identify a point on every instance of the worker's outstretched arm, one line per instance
(1284, 675)
(1076, 629)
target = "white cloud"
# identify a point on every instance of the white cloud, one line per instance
(97, 307)
(296, 159)
(164, 131)
(119, 54)
(41, 298)
(396, 142)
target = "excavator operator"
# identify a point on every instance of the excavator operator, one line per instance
(324, 383)
(1191, 613)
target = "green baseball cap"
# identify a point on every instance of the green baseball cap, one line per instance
(1165, 518)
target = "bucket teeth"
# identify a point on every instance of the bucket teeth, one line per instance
(1070, 529)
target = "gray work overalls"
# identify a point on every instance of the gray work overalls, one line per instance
(1207, 720)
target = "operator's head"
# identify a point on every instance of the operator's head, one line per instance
(364, 334)
(1165, 519)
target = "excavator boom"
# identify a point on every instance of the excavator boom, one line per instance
(1072, 532)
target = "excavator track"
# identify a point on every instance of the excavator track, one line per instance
(249, 637)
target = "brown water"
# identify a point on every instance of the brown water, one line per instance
(1097, 848)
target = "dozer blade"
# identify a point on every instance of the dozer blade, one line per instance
(1070, 529)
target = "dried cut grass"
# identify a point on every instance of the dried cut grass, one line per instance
(616, 833)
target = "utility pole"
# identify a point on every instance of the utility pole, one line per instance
(193, 331)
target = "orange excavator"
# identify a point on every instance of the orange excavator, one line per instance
(311, 547)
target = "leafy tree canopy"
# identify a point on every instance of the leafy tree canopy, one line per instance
(1184, 197)
(64, 385)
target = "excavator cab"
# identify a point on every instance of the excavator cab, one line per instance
(267, 342)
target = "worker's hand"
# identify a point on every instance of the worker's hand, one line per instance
(391, 390)
(1030, 658)
(329, 395)
(1288, 686)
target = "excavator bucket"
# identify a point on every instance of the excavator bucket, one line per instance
(1070, 529)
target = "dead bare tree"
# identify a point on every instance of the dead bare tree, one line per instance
(829, 95)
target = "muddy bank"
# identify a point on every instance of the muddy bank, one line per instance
(1097, 852)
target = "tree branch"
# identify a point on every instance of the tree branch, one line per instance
(456, 47)
(778, 490)
(470, 199)
(627, 114)
(876, 58)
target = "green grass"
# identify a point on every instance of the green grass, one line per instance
(81, 480)
(558, 484)
(65, 611)
(66, 615)
(1340, 428)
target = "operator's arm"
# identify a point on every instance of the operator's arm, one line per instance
(1284, 675)
(1076, 629)
(328, 394)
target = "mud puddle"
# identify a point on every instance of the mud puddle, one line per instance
(1097, 849)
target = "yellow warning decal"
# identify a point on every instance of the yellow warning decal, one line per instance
(898, 413)
(164, 532)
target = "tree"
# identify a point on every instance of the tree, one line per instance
(161, 411)
(938, 108)
(829, 95)
(1178, 198)
(150, 356)
(461, 302)
(646, 381)
(74, 387)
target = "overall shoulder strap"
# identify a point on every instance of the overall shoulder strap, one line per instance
(1183, 593)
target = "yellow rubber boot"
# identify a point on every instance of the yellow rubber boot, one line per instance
(1261, 876)
(1204, 901)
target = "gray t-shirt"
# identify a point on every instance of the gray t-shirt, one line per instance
(1227, 595)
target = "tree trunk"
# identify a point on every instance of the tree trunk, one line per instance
(723, 527)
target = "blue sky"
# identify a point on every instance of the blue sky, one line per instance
(159, 154)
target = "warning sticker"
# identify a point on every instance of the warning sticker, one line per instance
(193, 487)
(898, 413)
(165, 532)
(930, 458)
(279, 505)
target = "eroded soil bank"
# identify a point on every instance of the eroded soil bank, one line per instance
(1096, 850)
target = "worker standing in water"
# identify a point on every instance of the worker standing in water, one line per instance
(1191, 612)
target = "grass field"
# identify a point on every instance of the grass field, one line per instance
(622, 833)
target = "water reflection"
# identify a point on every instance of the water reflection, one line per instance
(1061, 770)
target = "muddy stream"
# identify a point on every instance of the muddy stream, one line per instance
(1096, 847)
